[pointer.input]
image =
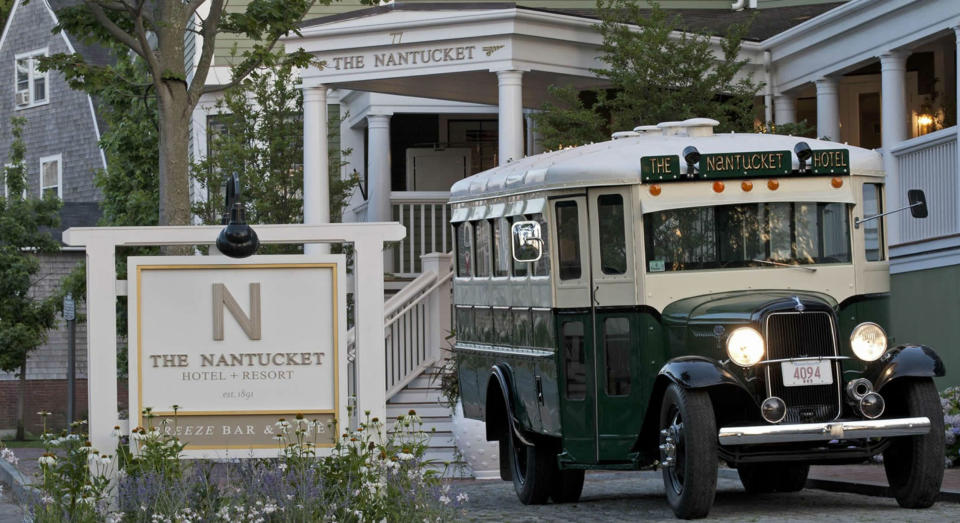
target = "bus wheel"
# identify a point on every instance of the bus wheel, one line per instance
(567, 486)
(914, 464)
(531, 467)
(762, 478)
(688, 451)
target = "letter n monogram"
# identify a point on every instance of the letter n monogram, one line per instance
(223, 299)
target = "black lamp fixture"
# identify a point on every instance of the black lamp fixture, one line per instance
(237, 239)
(692, 156)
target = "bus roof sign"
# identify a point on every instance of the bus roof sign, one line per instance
(748, 164)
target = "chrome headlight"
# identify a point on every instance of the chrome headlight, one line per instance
(868, 341)
(745, 346)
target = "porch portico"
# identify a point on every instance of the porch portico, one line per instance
(495, 56)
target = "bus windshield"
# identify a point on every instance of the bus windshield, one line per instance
(747, 235)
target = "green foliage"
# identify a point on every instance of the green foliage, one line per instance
(655, 75)
(801, 128)
(370, 474)
(260, 138)
(25, 225)
(950, 402)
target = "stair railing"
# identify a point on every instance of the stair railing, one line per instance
(416, 320)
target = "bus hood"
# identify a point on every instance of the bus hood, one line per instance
(740, 307)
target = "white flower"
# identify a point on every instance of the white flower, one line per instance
(404, 456)
(269, 508)
(282, 467)
(9, 456)
(46, 500)
(461, 497)
(47, 459)
(444, 499)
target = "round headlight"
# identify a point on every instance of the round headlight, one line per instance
(745, 346)
(868, 341)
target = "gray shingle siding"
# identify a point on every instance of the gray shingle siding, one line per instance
(63, 126)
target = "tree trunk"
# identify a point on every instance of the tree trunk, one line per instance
(21, 394)
(174, 163)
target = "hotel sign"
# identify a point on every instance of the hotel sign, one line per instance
(236, 345)
(411, 58)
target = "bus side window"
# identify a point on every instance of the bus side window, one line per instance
(542, 266)
(465, 330)
(464, 250)
(483, 321)
(482, 240)
(501, 247)
(521, 328)
(873, 229)
(519, 268)
(568, 240)
(613, 242)
(542, 328)
(616, 347)
(574, 361)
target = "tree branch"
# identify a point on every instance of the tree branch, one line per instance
(209, 32)
(125, 38)
(152, 63)
(193, 5)
(237, 78)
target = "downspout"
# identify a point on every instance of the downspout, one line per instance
(768, 96)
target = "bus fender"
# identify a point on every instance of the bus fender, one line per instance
(698, 372)
(500, 402)
(905, 361)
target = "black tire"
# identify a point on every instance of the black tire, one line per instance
(567, 486)
(531, 467)
(914, 464)
(763, 478)
(686, 417)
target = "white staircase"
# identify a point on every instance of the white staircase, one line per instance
(417, 321)
(423, 396)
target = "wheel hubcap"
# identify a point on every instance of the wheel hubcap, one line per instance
(671, 451)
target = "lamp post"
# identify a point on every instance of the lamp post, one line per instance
(237, 239)
(70, 315)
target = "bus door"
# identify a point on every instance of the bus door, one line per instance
(597, 329)
(616, 326)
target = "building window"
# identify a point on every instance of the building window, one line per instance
(480, 136)
(51, 176)
(30, 87)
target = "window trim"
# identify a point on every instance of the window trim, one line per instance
(47, 159)
(32, 75)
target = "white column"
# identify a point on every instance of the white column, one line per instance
(511, 116)
(893, 129)
(439, 304)
(784, 109)
(316, 163)
(378, 172)
(102, 346)
(828, 109)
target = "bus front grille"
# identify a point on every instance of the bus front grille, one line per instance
(799, 335)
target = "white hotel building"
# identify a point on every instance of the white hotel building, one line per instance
(433, 92)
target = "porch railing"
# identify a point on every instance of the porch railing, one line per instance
(416, 322)
(426, 215)
(928, 162)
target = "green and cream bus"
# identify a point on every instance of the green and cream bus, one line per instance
(674, 298)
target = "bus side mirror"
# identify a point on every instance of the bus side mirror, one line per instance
(527, 241)
(918, 203)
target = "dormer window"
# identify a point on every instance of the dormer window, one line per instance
(30, 88)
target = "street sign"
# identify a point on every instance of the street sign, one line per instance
(69, 308)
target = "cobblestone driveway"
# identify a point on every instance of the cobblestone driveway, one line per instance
(638, 496)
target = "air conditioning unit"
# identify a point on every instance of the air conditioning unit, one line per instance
(23, 98)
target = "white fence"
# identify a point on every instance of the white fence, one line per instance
(928, 162)
(427, 219)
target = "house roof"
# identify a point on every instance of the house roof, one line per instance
(767, 22)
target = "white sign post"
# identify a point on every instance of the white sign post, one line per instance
(103, 289)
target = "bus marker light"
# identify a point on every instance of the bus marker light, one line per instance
(836, 182)
(746, 186)
(773, 185)
(655, 189)
(717, 186)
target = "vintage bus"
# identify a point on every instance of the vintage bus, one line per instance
(676, 298)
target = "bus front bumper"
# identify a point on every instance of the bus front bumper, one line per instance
(833, 430)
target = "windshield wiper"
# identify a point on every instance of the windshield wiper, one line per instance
(778, 264)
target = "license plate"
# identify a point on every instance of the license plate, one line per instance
(799, 374)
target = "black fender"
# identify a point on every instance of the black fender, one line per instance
(499, 403)
(905, 361)
(697, 372)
